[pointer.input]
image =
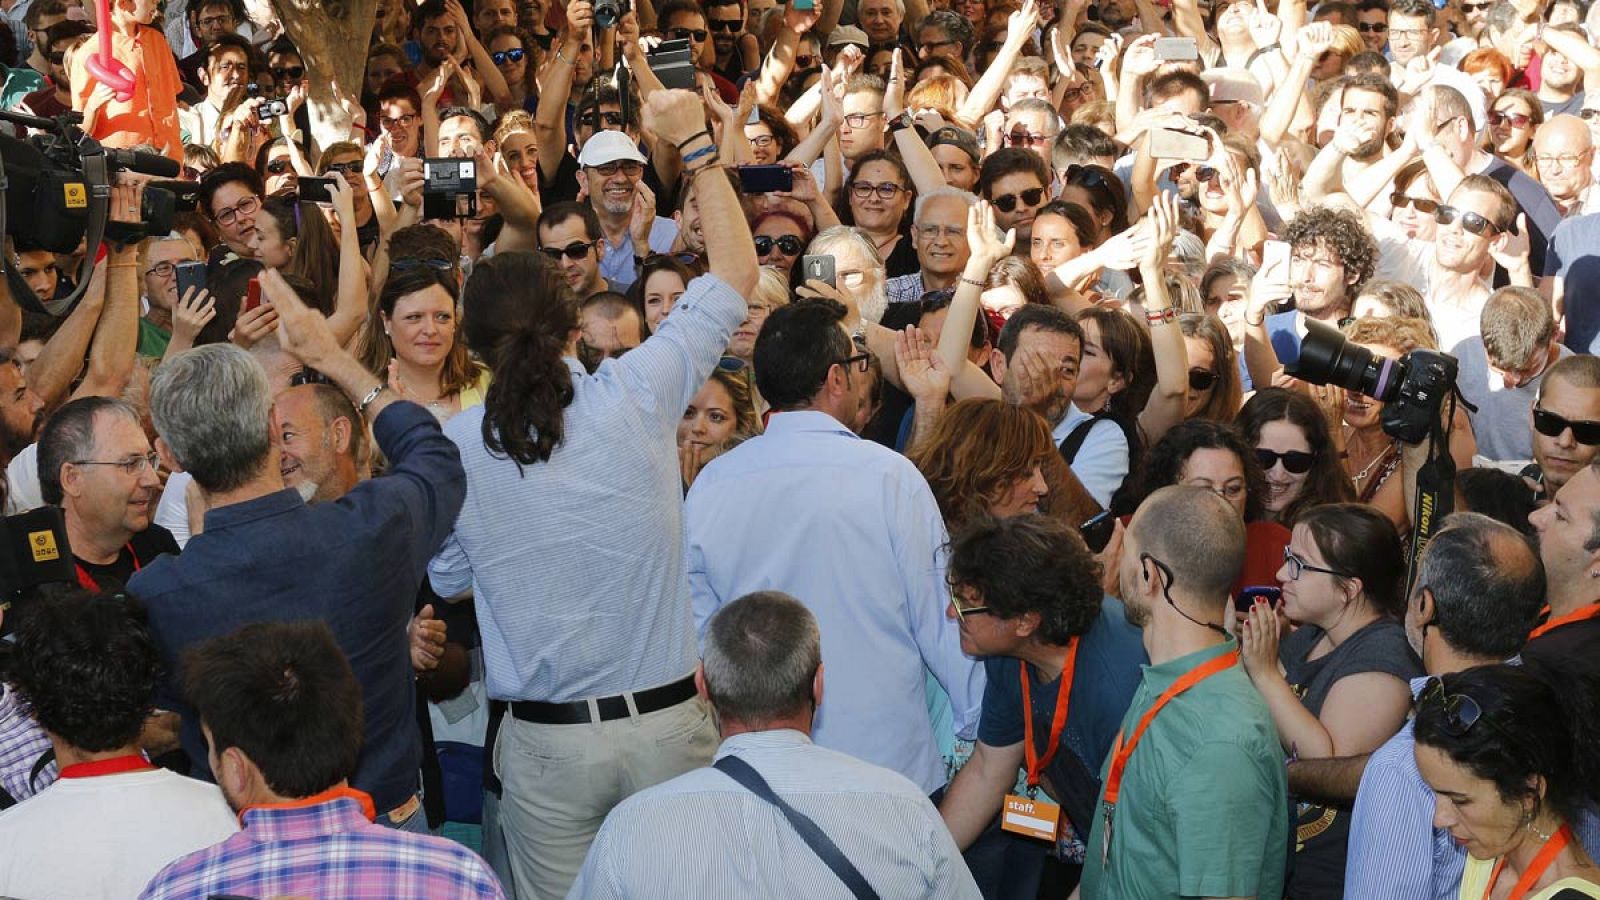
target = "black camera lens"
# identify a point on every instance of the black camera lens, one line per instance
(1326, 357)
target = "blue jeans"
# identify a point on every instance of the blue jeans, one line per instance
(416, 823)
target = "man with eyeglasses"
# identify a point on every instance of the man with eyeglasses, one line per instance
(226, 72)
(1372, 21)
(1566, 436)
(1031, 124)
(208, 21)
(1563, 149)
(1039, 618)
(939, 234)
(41, 15)
(944, 33)
(687, 20)
(96, 463)
(1503, 369)
(610, 175)
(570, 234)
(158, 260)
(1411, 31)
(863, 126)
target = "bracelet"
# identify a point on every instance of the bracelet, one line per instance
(372, 395)
(1255, 324)
(702, 133)
(974, 282)
(570, 62)
(1154, 317)
(702, 153)
(710, 165)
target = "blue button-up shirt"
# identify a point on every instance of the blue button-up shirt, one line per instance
(355, 563)
(850, 529)
(576, 563)
(617, 267)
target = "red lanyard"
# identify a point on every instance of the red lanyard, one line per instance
(1121, 752)
(1036, 763)
(1530, 876)
(89, 584)
(116, 765)
(1587, 612)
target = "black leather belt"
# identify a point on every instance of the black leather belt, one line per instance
(577, 711)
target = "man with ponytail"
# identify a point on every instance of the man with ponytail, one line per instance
(572, 537)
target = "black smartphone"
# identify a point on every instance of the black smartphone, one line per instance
(1097, 531)
(315, 190)
(819, 268)
(671, 64)
(1247, 598)
(765, 179)
(190, 275)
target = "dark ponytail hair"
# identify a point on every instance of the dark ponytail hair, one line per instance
(518, 314)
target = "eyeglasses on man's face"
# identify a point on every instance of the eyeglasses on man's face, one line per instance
(133, 466)
(575, 250)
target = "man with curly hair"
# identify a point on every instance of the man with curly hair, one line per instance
(1027, 595)
(85, 666)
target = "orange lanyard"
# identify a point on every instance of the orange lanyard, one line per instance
(1547, 855)
(1036, 763)
(1121, 752)
(1587, 612)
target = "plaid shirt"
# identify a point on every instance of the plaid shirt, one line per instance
(326, 846)
(22, 743)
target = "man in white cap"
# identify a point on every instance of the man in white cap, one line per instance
(610, 174)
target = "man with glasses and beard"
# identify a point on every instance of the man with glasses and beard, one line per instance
(610, 176)
(1566, 423)
(569, 233)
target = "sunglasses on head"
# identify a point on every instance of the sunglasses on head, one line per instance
(575, 250)
(1471, 222)
(514, 55)
(289, 73)
(679, 34)
(1202, 379)
(1085, 176)
(1551, 425)
(1008, 202)
(1400, 200)
(412, 263)
(1461, 712)
(1372, 27)
(788, 245)
(1296, 462)
(1516, 120)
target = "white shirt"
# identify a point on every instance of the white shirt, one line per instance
(22, 482)
(1102, 460)
(108, 835)
(172, 513)
(1412, 262)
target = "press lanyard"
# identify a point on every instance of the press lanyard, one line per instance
(1587, 612)
(1036, 763)
(1121, 752)
(116, 765)
(1530, 876)
(88, 583)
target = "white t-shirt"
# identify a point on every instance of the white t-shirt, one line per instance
(108, 835)
(172, 513)
(22, 482)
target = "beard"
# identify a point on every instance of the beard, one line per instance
(1370, 150)
(874, 304)
(14, 441)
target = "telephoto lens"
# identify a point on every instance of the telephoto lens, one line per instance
(1327, 357)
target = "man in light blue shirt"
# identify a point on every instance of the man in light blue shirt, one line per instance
(852, 530)
(762, 673)
(612, 177)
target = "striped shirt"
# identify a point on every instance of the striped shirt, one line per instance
(22, 744)
(742, 846)
(326, 846)
(576, 563)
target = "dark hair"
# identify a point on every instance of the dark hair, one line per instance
(603, 92)
(284, 694)
(1030, 564)
(69, 436)
(1010, 161)
(463, 112)
(1082, 221)
(316, 250)
(795, 350)
(1327, 481)
(1021, 272)
(1487, 585)
(424, 241)
(678, 7)
(426, 11)
(556, 213)
(1376, 84)
(517, 316)
(1365, 62)
(225, 174)
(847, 215)
(934, 301)
(655, 262)
(978, 449)
(1421, 9)
(1171, 84)
(1362, 542)
(86, 667)
(1536, 719)
(1106, 192)
(1082, 143)
(1497, 494)
(228, 42)
(1035, 315)
(782, 131)
(397, 89)
(1344, 234)
(1127, 345)
(1163, 465)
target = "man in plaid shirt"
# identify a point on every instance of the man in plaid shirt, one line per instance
(281, 711)
(22, 746)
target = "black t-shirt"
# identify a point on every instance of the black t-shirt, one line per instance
(145, 546)
(1578, 640)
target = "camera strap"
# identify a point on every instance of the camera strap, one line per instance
(1435, 488)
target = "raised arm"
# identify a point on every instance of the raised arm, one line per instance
(779, 64)
(555, 88)
(350, 305)
(1019, 27)
(116, 334)
(58, 364)
(1165, 407)
(472, 48)
(988, 246)
(679, 117)
(1278, 115)
(1190, 23)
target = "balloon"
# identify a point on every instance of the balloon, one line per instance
(106, 68)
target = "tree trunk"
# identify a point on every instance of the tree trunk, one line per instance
(332, 36)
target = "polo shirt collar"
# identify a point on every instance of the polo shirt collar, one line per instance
(273, 504)
(1158, 676)
(332, 811)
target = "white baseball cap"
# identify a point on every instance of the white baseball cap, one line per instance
(609, 146)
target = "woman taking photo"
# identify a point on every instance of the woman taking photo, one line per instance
(1296, 451)
(1338, 685)
(294, 238)
(879, 196)
(1509, 752)
(413, 339)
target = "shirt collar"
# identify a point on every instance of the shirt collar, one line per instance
(334, 810)
(797, 420)
(273, 504)
(776, 739)
(1159, 675)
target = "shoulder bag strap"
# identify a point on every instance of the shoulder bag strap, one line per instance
(1076, 437)
(819, 842)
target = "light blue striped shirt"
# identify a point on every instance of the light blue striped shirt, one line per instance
(850, 529)
(738, 845)
(576, 563)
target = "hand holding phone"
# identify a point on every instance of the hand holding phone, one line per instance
(1097, 531)
(819, 268)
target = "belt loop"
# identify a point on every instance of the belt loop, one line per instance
(594, 712)
(633, 707)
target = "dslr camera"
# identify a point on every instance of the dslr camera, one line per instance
(1412, 388)
(607, 13)
(270, 109)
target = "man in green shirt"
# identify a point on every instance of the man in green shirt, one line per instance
(159, 257)
(1194, 799)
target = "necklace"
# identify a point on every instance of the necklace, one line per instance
(1381, 455)
(889, 240)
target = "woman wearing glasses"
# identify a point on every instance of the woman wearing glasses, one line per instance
(1214, 389)
(1509, 754)
(781, 237)
(513, 53)
(771, 136)
(880, 197)
(1414, 201)
(1295, 449)
(1338, 685)
(1513, 118)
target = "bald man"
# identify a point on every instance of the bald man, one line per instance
(1564, 150)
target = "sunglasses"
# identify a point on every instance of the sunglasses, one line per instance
(1372, 27)
(1471, 222)
(575, 250)
(1516, 120)
(1422, 205)
(412, 263)
(698, 34)
(289, 73)
(308, 376)
(514, 55)
(863, 190)
(277, 166)
(1296, 462)
(1460, 711)
(1021, 138)
(725, 24)
(1202, 174)
(612, 119)
(1084, 176)
(788, 245)
(1589, 115)
(1202, 379)
(1551, 425)
(804, 61)
(347, 169)
(1008, 202)
(1476, 7)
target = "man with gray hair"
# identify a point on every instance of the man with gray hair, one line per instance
(355, 562)
(758, 809)
(939, 234)
(858, 269)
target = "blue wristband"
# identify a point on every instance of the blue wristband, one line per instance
(703, 152)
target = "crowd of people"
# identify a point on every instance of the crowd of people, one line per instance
(826, 448)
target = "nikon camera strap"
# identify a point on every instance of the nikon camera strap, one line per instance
(1436, 491)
